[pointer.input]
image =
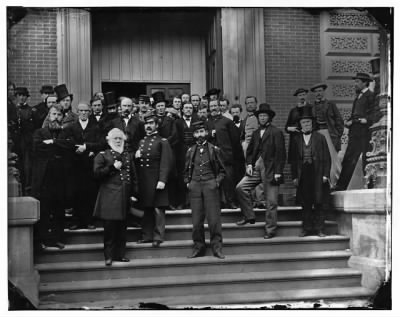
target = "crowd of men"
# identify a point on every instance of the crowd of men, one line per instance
(175, 155)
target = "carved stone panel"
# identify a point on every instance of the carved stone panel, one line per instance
(349, 43)
(351, 20)
(339, 66)
(342, 90)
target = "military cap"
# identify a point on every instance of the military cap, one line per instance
(300, 90)
(198, 125)
(22, 91)
(144, 98)
(47, 89)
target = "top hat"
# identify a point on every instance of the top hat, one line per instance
(22, 91)
(362, 76)
(62, 92)
(319, 85)
(300, 90)
(109, 99)
(151, 114)
(265, 108)
(144, 98)
(306, 113)
(213, 91)
(198, 125)
(47, 89)
(375, 65)
(158, 96)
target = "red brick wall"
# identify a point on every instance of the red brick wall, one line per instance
(292, 58)
(32, 51)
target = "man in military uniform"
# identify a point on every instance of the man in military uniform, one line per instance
(204, 173)
(41, 110)
(154, 158)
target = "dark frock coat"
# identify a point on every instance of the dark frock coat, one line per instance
(273, 151)
(153, 166)
(39, 112)
(116, 186)
(321, 161)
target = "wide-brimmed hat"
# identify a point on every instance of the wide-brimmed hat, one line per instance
(265, 108)
(306, 112)
(47, 89)
(319, 85)
(300, 90)
(362, 76)
(158, 96)
(22, 91)
(109, 99)
(62, 92)
(213, 91)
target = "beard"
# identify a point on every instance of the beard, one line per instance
(200, 139)
(55, 126)
(115, 147)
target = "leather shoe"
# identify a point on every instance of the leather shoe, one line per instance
(219, 255)
(269, 236)
(122, 260)
(196, 253)
(73, 227)
(321, 234)
(303, 233)
(244, 221)
(143, 241)
(91, 227)
(156, 243)
(108, 262)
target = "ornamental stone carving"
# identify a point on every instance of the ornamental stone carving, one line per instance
(343, 91)
(354, 43)
(351, 20)
(346, 66)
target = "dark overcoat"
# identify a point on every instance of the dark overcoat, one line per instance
(43, 153)
(273, 151)
(116, 186)
(39, 112)
(153, 166)
(321, 161)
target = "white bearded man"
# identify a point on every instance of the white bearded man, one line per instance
(115, 170)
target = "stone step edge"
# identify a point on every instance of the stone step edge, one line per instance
(230, 210)
(200, 301)
(181, 261)
(190, 226)
(189, 243)
(173, 281)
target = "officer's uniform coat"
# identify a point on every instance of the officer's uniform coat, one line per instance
(154, 165)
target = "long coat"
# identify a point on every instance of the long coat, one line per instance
(43, 153)
(334, 121)
(115, 186)
(39, 112)
(273, 151)
(154, 165)
(321, 161)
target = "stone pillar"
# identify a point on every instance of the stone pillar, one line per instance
(365, 216)
(23, 213)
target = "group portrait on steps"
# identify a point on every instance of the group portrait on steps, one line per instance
(127, 160)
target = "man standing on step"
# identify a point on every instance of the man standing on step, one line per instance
(154, 165)
(265, 159)
(204, 173)
(311, 167)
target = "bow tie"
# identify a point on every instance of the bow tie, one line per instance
(307, 132)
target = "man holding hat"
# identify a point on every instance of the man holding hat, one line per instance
(204, 173)
(41, 110)
(265, 160)
(311, 166)
(65, 100)
(22, 137)
(364, 113)
(292, 123)
(154, 161)
(329, 123)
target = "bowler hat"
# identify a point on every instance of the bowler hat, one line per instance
(47, 89)
(213, 91)
(300, 90)
(306, 113)
(144, 98)
(109, 99)
(265, 108)
(362, 76)
(62, 92)
(319, 85)
(22, 91)
(198, 125)
(158, 96)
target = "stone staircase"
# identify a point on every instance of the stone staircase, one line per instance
(255, 271)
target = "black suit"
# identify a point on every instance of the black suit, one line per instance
(85, 186)
(359, 136)
(39, 113)
(134, 131)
